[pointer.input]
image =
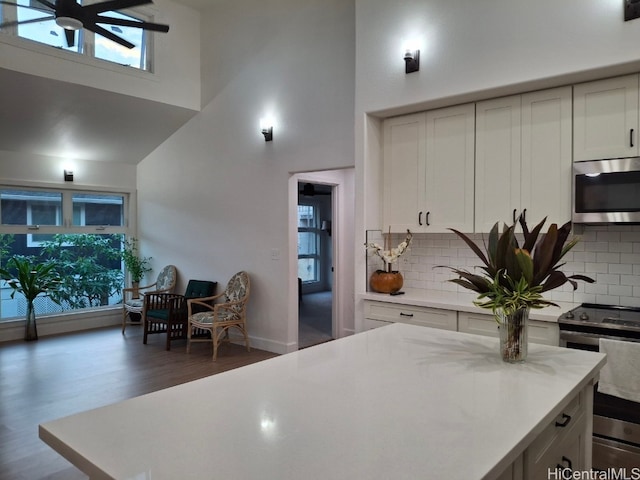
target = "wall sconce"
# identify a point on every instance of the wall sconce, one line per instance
(266, 127)
(68, 175)
(411, 61)
(326, 226)
(631, 9)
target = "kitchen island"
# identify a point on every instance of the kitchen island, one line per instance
(401, 402)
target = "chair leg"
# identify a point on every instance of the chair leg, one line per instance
(215, 337)
(124, 319)
(189, 338)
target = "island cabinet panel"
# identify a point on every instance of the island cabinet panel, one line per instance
(562, 444)
(605, 119)
(546, 333)
(397, 313)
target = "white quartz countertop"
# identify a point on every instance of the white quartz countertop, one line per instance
(461, 303)
(401, 402)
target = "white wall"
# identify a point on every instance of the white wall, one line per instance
(214, 198)
(471, 50)
(175, 81)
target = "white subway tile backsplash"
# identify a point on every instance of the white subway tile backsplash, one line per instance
(609, 254)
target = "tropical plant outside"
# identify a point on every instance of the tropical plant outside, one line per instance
(514, 276)
(89, 266)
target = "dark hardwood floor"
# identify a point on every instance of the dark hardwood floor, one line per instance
(61, 375)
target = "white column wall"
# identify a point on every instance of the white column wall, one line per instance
(214, 198)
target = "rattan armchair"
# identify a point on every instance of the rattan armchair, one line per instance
(219, 313)
(133, 297)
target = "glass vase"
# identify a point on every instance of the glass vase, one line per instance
(30, 329)
(513, 334)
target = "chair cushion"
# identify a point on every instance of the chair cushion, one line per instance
(237, 287)
(200, 288)
(203, 317)
(160, 314)
(134, 303)
(166, 278)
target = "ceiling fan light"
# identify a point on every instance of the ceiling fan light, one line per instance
(68, 23)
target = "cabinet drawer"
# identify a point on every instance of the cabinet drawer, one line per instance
(558, 429)
(427, 317)
(546, 333)
(567, 453)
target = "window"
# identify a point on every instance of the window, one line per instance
(308, 243)
(82, 231)
(86, 42)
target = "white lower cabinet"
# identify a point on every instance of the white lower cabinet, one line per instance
(380, 313)
(546, 333)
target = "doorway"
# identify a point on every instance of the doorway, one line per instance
(315, 264)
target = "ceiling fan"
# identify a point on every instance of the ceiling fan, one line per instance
(72, 16)
(309, 190)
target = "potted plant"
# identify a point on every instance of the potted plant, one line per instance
(31, 279)
(388, 280)
(136, 266)
(515, 277)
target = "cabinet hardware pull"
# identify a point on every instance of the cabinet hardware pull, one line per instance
(565, 421)
(406, 314)
(631, 137)
(426, 219)
(420, 218)
(567, 461)
(514, 215)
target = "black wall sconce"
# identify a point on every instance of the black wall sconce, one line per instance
(631, 9)
(268, 134)
(412, 61)
(68, 175)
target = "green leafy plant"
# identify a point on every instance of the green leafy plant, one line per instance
(90, 268)
(516, 276)
(26, 276)
(137, 266)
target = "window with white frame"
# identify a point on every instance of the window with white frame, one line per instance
(86, 43)
(309, 242)
(83, 232)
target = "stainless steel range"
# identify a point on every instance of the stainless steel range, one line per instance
(616, 421)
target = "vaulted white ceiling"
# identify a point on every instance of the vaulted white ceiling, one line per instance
(42, 116)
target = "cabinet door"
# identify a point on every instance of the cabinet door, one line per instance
(546, 156)
(403, 172)
(448, 195)
(497, 162)
(605, 119)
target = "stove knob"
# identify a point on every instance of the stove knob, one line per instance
(569, 315)
(584, 316)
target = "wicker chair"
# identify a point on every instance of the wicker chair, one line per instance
(167, 313)
(133, 297)
(219, 313)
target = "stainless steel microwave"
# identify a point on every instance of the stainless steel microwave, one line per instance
(606, 191)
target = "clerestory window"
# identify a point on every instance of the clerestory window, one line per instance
(86, 42)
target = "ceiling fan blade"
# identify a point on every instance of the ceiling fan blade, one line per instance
(113, 5)
(156, 27)
(70, 35)
(107, 34)
(33, 20)
(47, 3)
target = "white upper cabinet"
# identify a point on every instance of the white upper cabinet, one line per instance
(523, 158)
(448, 196)
(497, 162)
(605, 119)
(404, 152)
(428, 171)
(546, 156)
